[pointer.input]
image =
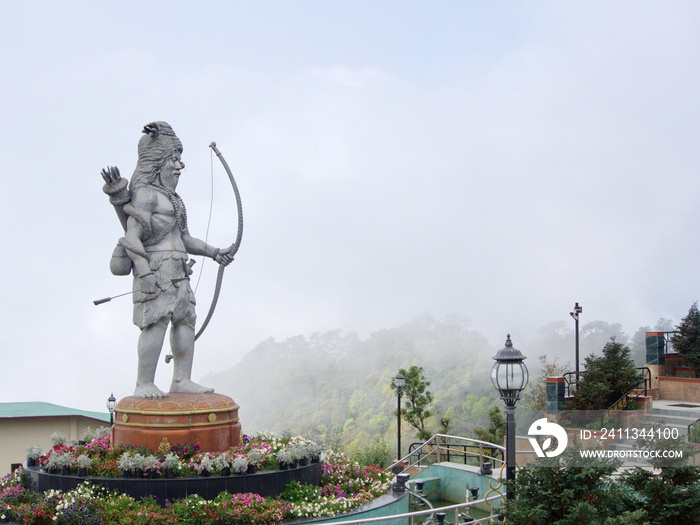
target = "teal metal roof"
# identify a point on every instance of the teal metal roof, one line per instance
(41, 409)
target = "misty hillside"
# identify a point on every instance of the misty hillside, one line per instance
(336, 386)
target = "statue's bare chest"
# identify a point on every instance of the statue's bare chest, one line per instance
(164, 206)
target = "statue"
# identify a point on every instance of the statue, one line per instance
(156, 248)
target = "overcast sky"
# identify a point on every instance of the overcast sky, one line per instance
(501, 160)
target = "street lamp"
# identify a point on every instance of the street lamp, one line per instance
(577, 310)
(111, 403)
(399, 383)
(509, 376)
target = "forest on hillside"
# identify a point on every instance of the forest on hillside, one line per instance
(335, 387)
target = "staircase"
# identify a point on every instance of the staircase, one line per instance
(671, 414)
(674, 414)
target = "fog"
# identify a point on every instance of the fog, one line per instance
(499, 161)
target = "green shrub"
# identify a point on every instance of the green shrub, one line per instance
(296, 492)
(375, 454)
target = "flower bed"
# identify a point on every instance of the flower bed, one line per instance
(98, 458)
(344, 485)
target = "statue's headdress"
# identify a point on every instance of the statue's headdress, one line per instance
(158, 141)
(157, 144)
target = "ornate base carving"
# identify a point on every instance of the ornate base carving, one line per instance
(208, 420)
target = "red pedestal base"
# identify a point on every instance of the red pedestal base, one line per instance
(208, 420)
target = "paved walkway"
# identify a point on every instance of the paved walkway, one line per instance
(674, 413)
(677, 406)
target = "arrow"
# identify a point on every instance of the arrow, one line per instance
(98, 302)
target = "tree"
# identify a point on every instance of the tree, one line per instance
(536, 396)
(664, 325)
(418, 397)
(672, 496)
(638, 345)
(607, 378)
(687, 340)
(665, 451)
(595, 334)
(555, 339)
(375, 454)
(446, 421)
(565, 490)
(570, 489)
(495, 433)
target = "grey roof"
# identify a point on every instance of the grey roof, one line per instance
(41, 409)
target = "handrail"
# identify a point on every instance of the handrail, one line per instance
(645, 374)
(412, 515)
(647, 379)
(425, 500)
(438, 446)
(425, 451)
(621, 404)
(460, 450)
(570, 381)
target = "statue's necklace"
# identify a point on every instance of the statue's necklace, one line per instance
(178, 206)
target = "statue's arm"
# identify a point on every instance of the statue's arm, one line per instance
(196, 246)
(140, 210)
(134, 246)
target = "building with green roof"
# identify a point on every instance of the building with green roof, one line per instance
(32, 423)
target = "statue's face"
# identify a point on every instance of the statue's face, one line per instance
(170, 171)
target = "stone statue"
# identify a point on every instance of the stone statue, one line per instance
(156, 248)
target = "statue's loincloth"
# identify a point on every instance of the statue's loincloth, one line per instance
(175, 301)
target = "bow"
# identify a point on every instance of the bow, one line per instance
(231, 249)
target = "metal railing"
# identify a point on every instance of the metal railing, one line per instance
(443, 447)
(465, 453)
(570, 380)
(454, 511)
(641, 388)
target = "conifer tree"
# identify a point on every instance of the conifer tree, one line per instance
(687, 340)
(607, 378)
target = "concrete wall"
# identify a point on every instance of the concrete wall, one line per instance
(449, 482)
(16, 434)
(387, 505)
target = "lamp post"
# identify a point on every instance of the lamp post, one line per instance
(577, 310)
(111, 403)
(399, 383)
(509, 376)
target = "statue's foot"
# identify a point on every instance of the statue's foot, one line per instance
(149, 391)
(187, 386)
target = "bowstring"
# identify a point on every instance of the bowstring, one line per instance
(211, 207)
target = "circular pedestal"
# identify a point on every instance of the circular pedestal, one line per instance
(208, 420)
(267, 483)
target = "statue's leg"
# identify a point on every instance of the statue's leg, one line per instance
(182, 347)
(149, 347)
